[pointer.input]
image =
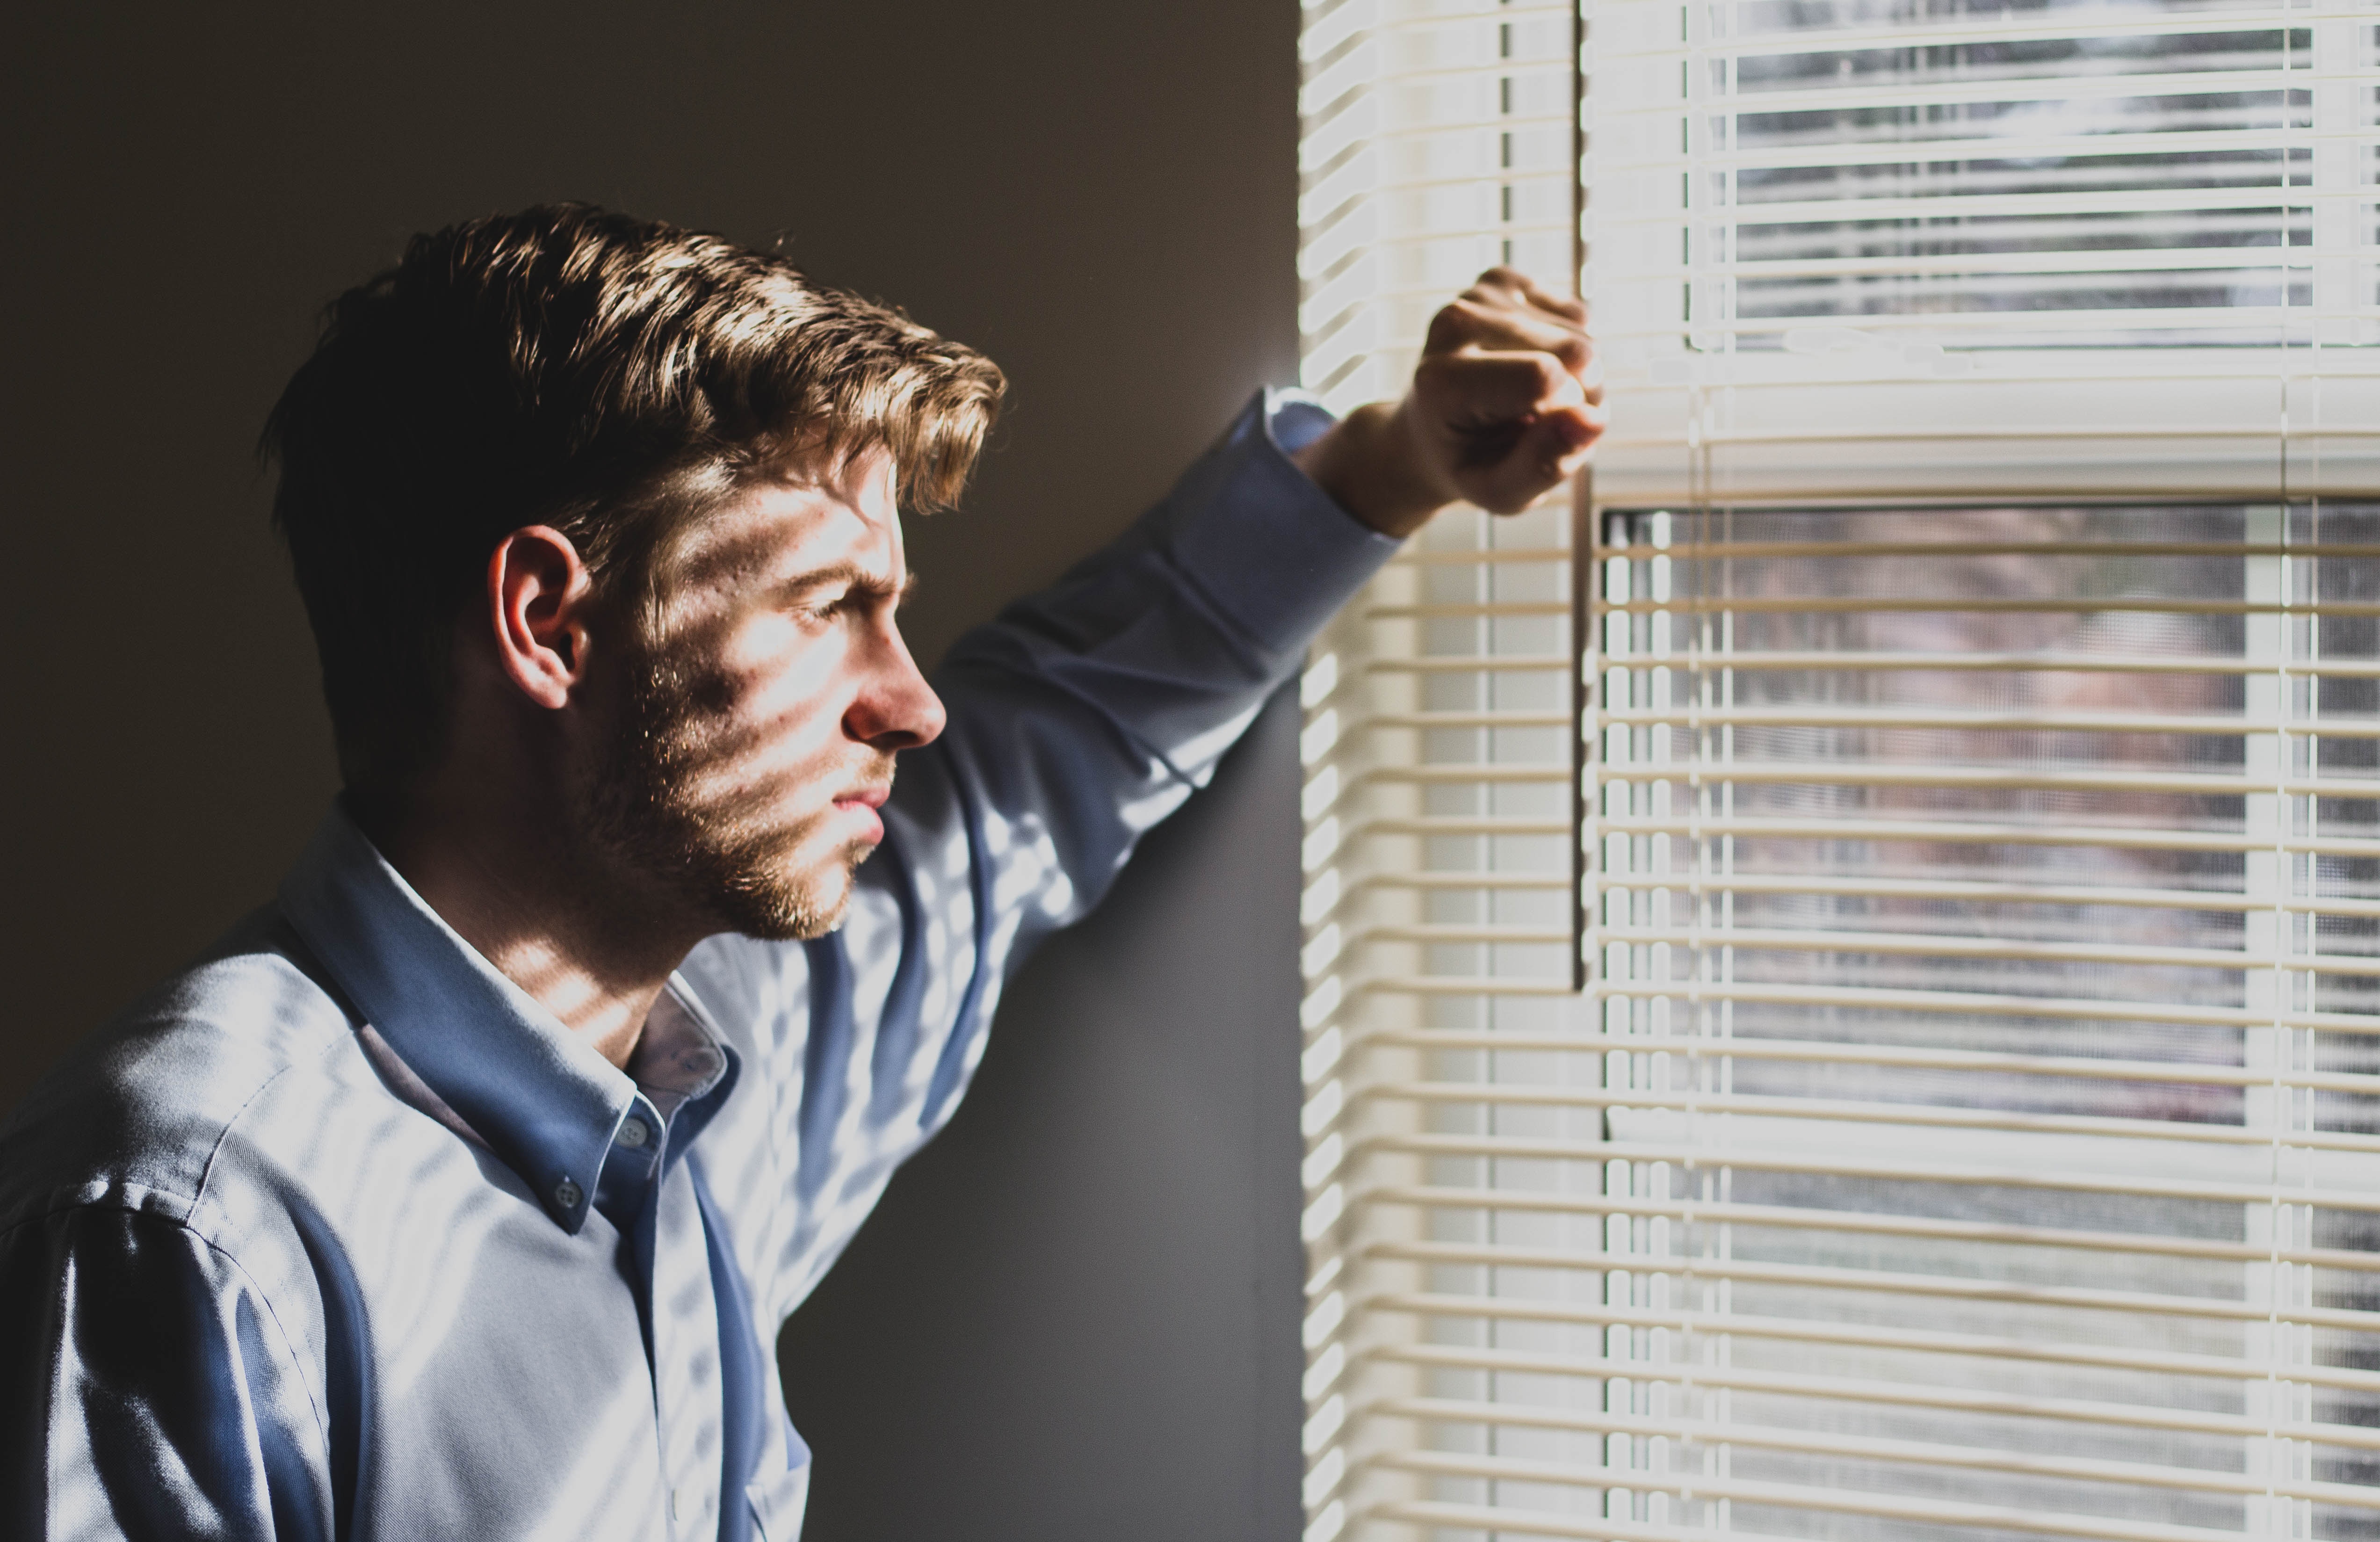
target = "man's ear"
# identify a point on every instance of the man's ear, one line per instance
(538, 591)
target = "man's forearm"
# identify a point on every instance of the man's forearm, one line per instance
(1091, 710)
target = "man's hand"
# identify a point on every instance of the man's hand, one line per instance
(1507, 402)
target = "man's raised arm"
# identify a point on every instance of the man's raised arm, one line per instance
(1086, 714)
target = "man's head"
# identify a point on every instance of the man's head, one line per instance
(640, 486)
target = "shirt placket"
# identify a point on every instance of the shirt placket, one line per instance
(685, 1358)
(650, 1195)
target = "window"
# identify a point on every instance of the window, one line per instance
(1850, 1009)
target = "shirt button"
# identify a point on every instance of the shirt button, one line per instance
(567, 1194)
(634, 1134)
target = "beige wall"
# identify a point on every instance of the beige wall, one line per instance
(1076, 1317)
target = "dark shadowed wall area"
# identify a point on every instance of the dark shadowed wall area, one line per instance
(1076, 1317)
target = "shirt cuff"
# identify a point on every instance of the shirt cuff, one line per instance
(1268, 547)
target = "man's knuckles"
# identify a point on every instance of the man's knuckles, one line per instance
(1467, 325)
(1468, 317)
(1474, 386)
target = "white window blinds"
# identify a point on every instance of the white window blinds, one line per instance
(2097, 249)
(1966, 1126)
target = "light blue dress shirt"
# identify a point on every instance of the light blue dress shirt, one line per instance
(341, 1234)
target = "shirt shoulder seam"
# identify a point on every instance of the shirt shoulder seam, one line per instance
(81, 1197)
(207, 1170)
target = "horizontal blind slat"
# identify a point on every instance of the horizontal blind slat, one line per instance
(1981, 661)
(1863, 1449)
(2037, 147)
(1503, 1518)
(1934, 1228)
(1888, 1393)
(2215, 1367)
(1840, 1500)
(1970, 720)
(1822, 1277)
(2002, 31)
(1722, 1153)
(1842, 1111)
(1872, 604)
(1983, 1004)
(1949, 944)
(1848, 773)
(1974, 831)
(1878, 999)
(1689, 1047)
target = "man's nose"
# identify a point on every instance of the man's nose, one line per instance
(894, 708)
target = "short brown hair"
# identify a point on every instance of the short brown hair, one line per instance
(567, 365)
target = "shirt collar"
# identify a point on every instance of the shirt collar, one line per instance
(681, 1064)
(544, 1101)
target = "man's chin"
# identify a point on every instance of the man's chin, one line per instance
(800, 908)
(806, 927)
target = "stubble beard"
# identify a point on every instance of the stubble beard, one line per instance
(740, 865)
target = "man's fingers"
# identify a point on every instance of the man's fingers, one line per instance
(1506, 402)
(1475, 310)
(1565, 306)
(1474, 386)
(1514, 288)
(1515, 423)
(1465, 327)
(1472, 324)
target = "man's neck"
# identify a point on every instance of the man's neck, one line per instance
(506, 887)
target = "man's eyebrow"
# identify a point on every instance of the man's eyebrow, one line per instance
(851, 575)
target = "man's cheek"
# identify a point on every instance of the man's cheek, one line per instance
(780, 664)
(762, 744)
(789, 719)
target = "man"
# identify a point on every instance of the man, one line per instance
(461, 1191)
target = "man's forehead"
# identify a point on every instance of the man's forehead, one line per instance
(805, 516)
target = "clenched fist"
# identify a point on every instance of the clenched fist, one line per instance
(1506, 403)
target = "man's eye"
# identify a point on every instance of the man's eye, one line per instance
(821, 607)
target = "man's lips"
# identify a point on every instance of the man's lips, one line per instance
(861, 805)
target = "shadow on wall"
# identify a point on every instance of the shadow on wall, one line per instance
(1102, 197)
(1100, 200)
